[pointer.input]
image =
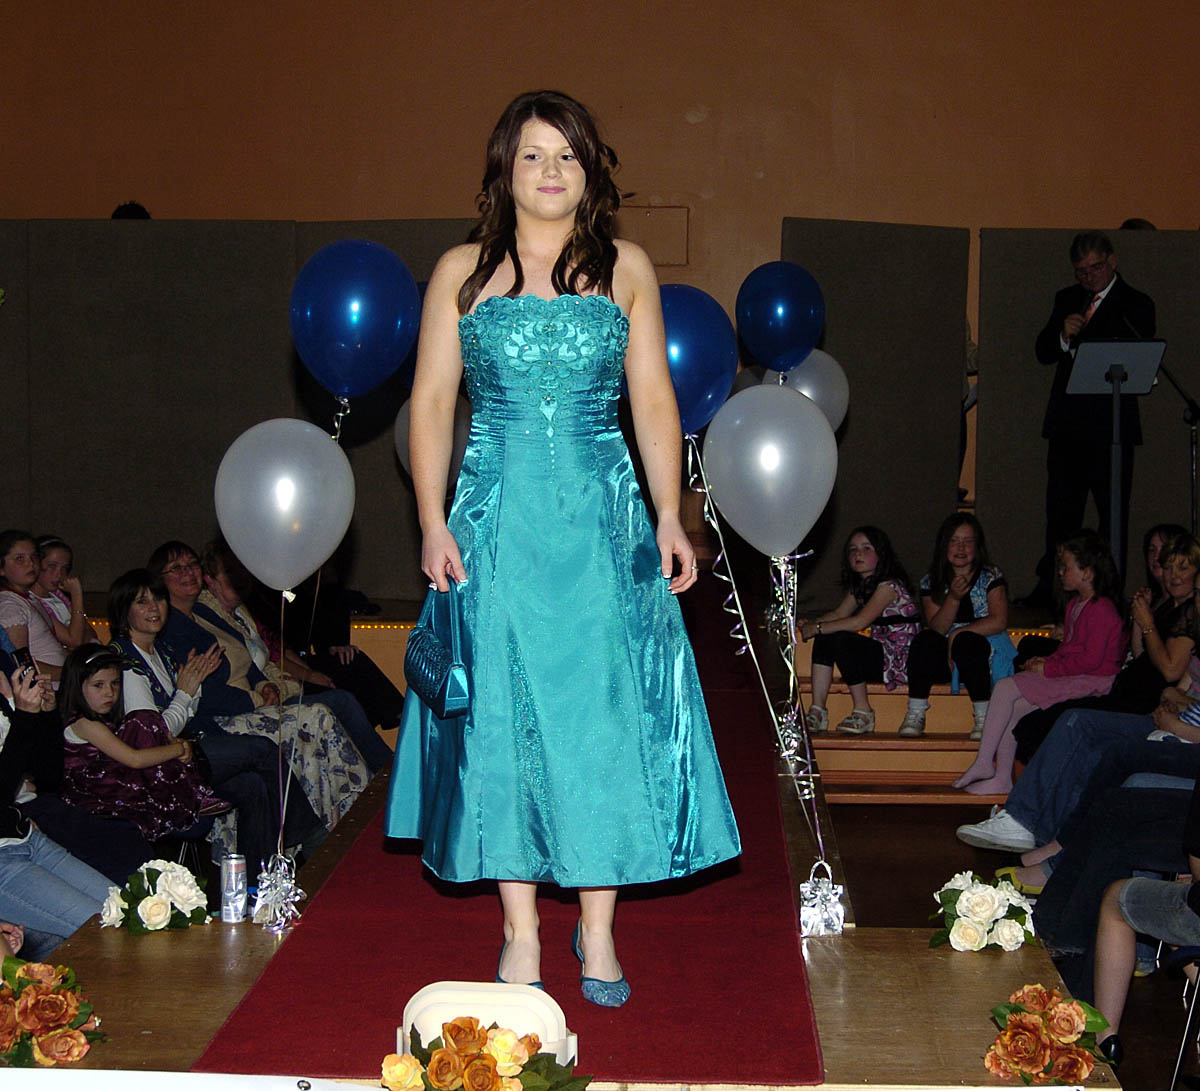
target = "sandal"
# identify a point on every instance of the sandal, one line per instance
(859, 722)
(1010, 873)
(816, 720)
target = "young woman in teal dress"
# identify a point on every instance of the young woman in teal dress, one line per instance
(586, 759)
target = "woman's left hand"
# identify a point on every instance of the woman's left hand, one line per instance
(673, 543)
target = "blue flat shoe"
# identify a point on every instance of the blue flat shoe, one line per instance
(608, 994)
(501, 981)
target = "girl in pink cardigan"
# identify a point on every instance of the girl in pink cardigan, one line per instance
(1083, 665)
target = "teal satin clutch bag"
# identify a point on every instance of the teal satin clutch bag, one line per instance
(433, 661)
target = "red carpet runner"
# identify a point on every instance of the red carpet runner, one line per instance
(719, 989)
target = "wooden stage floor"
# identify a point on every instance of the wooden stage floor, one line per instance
(891, 1013)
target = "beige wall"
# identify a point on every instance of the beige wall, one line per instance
(1028, 114)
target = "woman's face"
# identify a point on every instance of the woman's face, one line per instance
(147, 614)
(1153, 549)
(182, 577)
(102, 691)
(961, 549)
(56, 567)
(547, 180)
(1072, 576)
(1179, 577)
(20, 566)
(222, 588)
(861, 555)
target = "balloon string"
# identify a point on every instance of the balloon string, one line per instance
(343, 411)
(790, 729)
(732, 603)
(285, 778)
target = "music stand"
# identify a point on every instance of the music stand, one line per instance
(1119, 367)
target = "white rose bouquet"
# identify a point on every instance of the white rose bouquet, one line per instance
(982, 914)
(158, 895)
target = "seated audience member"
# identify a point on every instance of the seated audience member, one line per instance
(1085, 663)
(242, 768)
(1163, 639)
(125, 766)
(60, 594)
(238, 698)
(228, 584)
(21, 616)
(320, 654)
(877, 597)
(1088, 753)
(964, 599)
(1165, 910)
(42, 886)
(1125, 830)
(111, 846)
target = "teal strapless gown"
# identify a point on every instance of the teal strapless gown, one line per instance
(586, 758)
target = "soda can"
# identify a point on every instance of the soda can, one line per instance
(234, 888)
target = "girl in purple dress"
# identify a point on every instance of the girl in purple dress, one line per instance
(127, 768)
(877, 598)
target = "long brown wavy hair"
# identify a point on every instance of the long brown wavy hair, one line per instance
(589, 254)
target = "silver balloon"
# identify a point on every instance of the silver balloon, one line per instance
(284, 496)
(462, 430)
(821, 378)
(771, 462)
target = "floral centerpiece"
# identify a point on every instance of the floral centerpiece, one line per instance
(158, 895)
(477, 1058)
(44, 1018)
(982, 914)
(1045, 1037)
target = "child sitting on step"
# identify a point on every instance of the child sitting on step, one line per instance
(964, 599)
(1083, 665)
(878, 598)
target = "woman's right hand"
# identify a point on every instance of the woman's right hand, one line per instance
(1143, 617)
(25, 692)
(197, 668)
(440, 556)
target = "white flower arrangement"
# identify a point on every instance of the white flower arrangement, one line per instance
(982, 914)
(159, 895)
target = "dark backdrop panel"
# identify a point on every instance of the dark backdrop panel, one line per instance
(155, 344)
(895, 306)
(385, 547)
(1020, 270)
(14, 367)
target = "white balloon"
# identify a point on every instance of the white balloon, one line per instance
(820, 378)
(771, 461)
(284, 495)
(462, 430)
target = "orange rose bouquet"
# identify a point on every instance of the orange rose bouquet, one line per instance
(473, 1057)
(1045, 1037)
(44, 1018)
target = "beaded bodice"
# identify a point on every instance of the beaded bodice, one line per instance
(539, 365)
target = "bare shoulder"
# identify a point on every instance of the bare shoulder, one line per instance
(632, 260)
(458, 261)
(633, 275)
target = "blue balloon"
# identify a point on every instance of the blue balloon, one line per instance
(701, 352)
(780, 314)
(355, 311)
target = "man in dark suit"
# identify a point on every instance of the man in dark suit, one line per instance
(1099, 306)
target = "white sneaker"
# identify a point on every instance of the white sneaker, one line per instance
(1001, 832)
(913, 724)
